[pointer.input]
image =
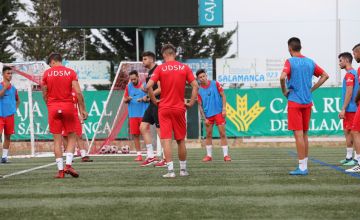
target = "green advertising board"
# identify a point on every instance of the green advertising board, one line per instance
(263, 112)
(94, 101)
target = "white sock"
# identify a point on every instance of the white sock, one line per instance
(225, 150)
(349, 152)
(182, 165)
(60, 163)
(69, 158)
(83, 153)
(138, 153)
(209, 150)
(170, 166)
(5, 153)
(357, 157)
(303, 164)
(150, 151)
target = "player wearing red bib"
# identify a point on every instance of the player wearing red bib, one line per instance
(173, 76)
(58, 83)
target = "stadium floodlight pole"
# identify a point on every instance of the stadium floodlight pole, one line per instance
(137, 44)
(338, 45)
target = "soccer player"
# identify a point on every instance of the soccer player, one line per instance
(151, 114)
(299, 71)
(78, 132)
(173, 76)
(355, 131)
(58, 83)
(212, 104)
(349, 89)
(136, 107)
(9, 102)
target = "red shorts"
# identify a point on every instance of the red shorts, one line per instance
(299, 118)
(7, 124)
(135, 125)
(356, 121)
(172, 120)
(348, 120)
(78, 127)
(61, 117)
(219, 119)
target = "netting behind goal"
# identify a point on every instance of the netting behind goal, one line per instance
(111, 129)
(31, 136)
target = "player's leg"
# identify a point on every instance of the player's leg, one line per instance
(9, 129)
(83, 149)
(355, 130)
(146, 133)
(208, 141)
(161, 163)
(296, 123)
(166, 129)
(347, 124)
(179, 126)
(135, 132)
(220, 122)
(69, 123)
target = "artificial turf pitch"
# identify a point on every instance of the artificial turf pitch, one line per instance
(255, 185)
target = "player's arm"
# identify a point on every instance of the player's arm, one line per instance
(348, 94)
(151, 92)
(323, 77)
(80, 97)
(44, 93)
(4, 88)
(194, 93)
(158, 90)
(201, 109)
(17, 99)
(283, 78)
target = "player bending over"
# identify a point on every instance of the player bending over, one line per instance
(212, 104)
(136, 107)
(173, 76)
(58, 83)
(350, 87)
(9, 102)
(299, 71)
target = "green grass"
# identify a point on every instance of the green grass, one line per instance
(255, 185)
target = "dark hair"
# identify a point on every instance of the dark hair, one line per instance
(54, 56)
(347, 56)
(356, 46)
(199, 72)
(134, 72)
(168, 48)
(149, 54)
(5, 68)
(295, 44)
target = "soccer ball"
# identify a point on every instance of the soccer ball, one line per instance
(113, 150)
(125, 149)
(105, 149)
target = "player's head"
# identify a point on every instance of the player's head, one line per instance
(168, 51)
(356, 52)
(201, 76)
(345, 60)
(134, 77)
(7, 73)
(294, 45)
(54, 59)
(148, 59)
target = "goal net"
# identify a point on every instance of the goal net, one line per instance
(112, 133)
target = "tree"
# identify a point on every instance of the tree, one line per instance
(44, 35)
(8, 20)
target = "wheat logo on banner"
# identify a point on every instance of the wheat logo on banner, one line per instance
(242, 117)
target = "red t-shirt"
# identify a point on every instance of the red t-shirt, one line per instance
(349, 79)
(173, 76)
(58, 80)
(16, 92)
(287, 69)
(218, 86)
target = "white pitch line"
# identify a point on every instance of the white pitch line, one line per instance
(28, 170)
(31, 169)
